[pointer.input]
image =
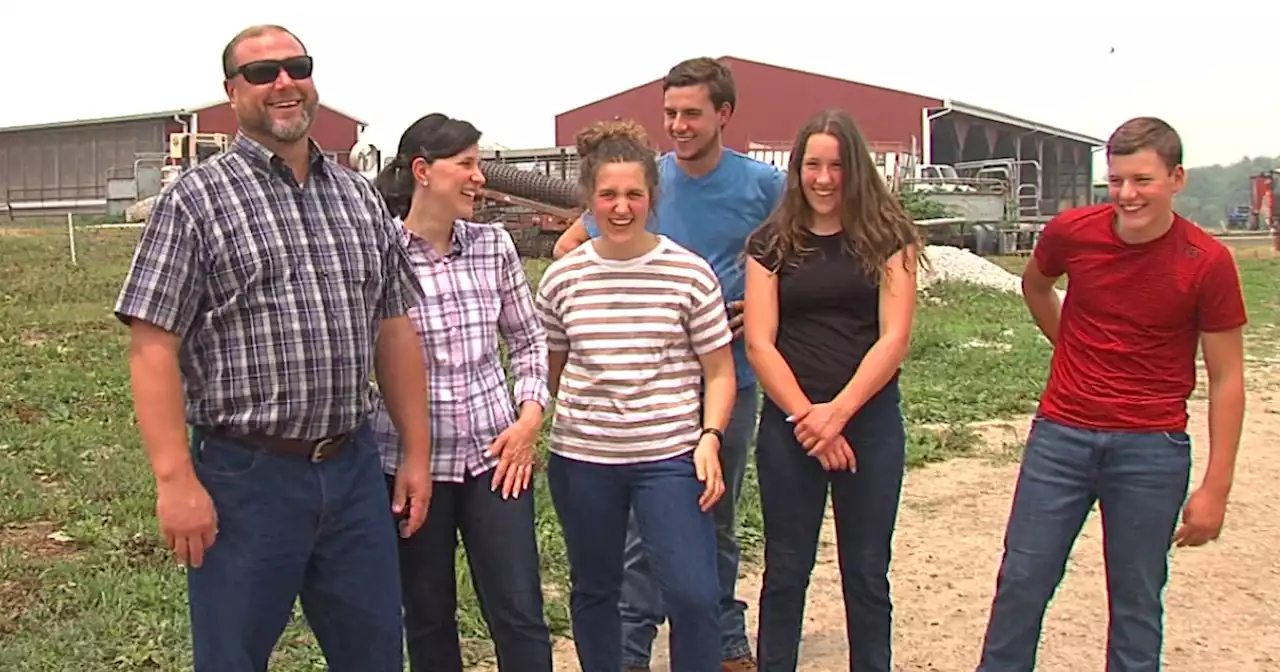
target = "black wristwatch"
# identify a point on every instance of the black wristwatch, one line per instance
(714, 432)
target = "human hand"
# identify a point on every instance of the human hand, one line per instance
(706, 462)
(412, 494)
(736, 313)
(516, 457)
(188, 520)
(836, 455)
(1202, 518)
(820, 423)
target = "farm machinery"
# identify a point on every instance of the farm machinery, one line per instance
(1264, 188)
(1262, 205)
(989, 206)
(536, 207)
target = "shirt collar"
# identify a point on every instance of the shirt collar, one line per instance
(464, 234)
(260, 154)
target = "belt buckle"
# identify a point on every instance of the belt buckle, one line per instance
(317, 451)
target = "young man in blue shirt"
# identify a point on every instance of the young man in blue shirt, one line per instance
(710, 198)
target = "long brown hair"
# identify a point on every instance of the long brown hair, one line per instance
(875, 224)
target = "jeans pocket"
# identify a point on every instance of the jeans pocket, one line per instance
(223, 458)
(1178, 439)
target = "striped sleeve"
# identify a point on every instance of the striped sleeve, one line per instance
(547, 304)
(707, 321)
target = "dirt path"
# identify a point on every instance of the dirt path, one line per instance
(1221, 603)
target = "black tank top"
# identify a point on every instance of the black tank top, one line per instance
(828, 313)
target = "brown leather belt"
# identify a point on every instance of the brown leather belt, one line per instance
(316, 450)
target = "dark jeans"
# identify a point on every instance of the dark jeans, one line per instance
(1139, 480)
(642, 609)
(793, 500)
(290, 528)
(593, 502)
(502, 552)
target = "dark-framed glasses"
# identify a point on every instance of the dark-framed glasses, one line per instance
(265, 72)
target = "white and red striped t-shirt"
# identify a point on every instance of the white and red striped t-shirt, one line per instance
(634, 329)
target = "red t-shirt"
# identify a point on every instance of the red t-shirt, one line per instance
(1132, 318)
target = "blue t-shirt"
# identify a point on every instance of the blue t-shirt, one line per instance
(712, 216)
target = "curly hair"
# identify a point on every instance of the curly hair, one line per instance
(875, 224)
(622, 141)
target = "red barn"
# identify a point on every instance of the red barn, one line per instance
(774, 101)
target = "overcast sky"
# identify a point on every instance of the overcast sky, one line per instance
(510, 70)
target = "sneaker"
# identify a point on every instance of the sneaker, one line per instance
(743, 664)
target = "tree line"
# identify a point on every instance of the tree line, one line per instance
(1211, 191)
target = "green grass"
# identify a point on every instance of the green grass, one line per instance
(84, 582)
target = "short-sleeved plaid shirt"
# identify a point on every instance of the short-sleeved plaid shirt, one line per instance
(475, 294)
(276, 289)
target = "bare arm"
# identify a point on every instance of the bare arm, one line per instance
(402, 377)
(398, 362)
(719, 388)
(1042, 299)
(761, 330)
(556, 359)
(1221, 317)
(572, 237)
(886, 355)
(1224, 361)
(160, 301)
(158, 401)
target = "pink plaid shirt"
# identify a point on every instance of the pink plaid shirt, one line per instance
(474, 294)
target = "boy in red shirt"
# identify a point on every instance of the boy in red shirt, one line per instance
(1145, 286)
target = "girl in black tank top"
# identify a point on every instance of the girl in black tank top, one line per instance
(831, 292)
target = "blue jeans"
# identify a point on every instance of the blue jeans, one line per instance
(288, 528)
(1139, 480)
(642, 606)
(793, 501)
(593, 502)
(502, 552)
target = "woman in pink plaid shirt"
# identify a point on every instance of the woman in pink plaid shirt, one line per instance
(482, 439)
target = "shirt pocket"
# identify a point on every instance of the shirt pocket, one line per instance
(251, 257)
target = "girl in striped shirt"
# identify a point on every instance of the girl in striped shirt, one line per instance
(643, 378)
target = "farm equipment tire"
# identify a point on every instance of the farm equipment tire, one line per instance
(509, 179)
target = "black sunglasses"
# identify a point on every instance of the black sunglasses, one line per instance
(265, 72)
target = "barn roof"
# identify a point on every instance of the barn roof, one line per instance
(144, 116)
(947, 105)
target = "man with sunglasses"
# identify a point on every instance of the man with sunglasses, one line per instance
(266, 290)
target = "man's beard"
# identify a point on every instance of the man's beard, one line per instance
(284, 131)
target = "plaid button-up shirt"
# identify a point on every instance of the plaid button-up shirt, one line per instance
(276, 289)
(474, 294)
